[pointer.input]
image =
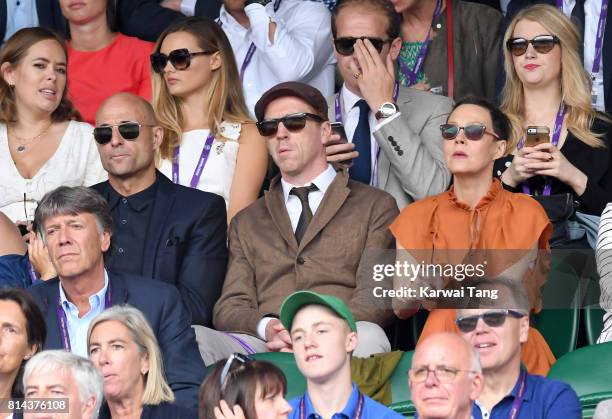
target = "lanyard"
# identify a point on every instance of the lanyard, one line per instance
(63, 320)
(195, 179)
(554, 141)
(412, 75)
(32, 272)
(357, 413)
(338, 112)
(249, 55)
(518, 400)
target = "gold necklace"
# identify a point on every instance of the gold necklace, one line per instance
(25, 141)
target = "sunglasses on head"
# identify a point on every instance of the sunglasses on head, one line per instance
(541, 43)
(346, 46)
(472, 132)
(128, 131)
(179, 58)
(497, 318)
(293, 122)
(235, 357)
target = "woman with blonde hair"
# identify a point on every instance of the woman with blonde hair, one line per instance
(547, 86)
(210, 142)
(125, 351)
(42, 146)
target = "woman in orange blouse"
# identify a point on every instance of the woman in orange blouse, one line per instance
(477, 213)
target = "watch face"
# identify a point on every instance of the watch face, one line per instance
(388, 109)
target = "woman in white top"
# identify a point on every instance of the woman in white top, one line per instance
(210, 142)
(41, 146)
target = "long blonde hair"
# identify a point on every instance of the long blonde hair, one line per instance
(225, 97)
(575, 82)
(156, 389)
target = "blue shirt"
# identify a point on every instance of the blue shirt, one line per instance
(77, 326)
(371, 409)
(20, 14)
(543, 399)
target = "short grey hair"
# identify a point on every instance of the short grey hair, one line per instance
(88, 380)
(75, 200)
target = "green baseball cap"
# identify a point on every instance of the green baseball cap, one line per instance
(297, 300)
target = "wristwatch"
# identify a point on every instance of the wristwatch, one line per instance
(262, 2)
(386, 110)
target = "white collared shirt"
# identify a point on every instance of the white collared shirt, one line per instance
(77, 326)
(302, 48)
(350, 118)
(592, 9)
(294, 208)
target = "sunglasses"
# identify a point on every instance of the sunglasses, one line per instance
(442, 373)
(240, 358)
(346, 46)
(541, 43)
(473, 132)
(179, 58)
(467, 324)
(293, 122)
(128, 131)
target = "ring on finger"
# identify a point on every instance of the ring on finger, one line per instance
(357, 75)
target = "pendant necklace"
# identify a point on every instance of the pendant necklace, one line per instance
(25, 141)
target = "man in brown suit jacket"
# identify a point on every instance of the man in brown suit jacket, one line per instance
(309, 232)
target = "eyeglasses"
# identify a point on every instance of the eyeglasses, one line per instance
(473, 132)
(541, 43)
(242, 359)
(442, 373)
(345, 46)
(496, 318)
(128, 131)
(293, 122)
(179, 58)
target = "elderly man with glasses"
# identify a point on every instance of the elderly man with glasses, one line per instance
(509, 390)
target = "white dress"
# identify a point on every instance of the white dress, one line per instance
(76, 162)
(219, 170)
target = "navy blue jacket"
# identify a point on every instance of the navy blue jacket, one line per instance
(162, 307)
(186, 244)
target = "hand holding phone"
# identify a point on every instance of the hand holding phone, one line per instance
(537, 135)
(339, 150)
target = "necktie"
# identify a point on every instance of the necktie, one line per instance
(306, 215)
(578, 17)
(362, 165)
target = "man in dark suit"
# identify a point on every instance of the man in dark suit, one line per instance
(75, 224)
(312, 230)
(161, 230)
(46, 12)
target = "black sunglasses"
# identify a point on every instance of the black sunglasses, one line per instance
(179, 58)
(467, 324)
(240, 358)
(345, 46)
(128, 131)
(293, 122)
(473, 132)
(541, 43)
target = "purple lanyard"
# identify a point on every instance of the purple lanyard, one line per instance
(412, 75)
(249, 55)
(63, 320)
(195, 179)
(518, 400)
(554, 141)
(32, 272)
(357, 413)
(601, 26)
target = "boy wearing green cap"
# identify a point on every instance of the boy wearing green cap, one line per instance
(324, 335)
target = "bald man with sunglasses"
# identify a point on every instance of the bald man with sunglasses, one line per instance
(161, 230)
(497, 336)
(309, 231)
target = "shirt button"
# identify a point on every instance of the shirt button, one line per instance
(120, 250)
(124, 200)
(123, 221)
(300, 260)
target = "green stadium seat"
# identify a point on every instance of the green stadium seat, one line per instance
(588, 371)
(399, 387)
(296, 383)
(592, 313)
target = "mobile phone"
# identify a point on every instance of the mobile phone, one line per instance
(23, 229)
(338, 128)
(537, 135)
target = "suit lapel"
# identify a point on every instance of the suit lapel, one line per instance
(164, 199)
(54, 340)
(275, 203)
(119, 294)
(332, 201)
